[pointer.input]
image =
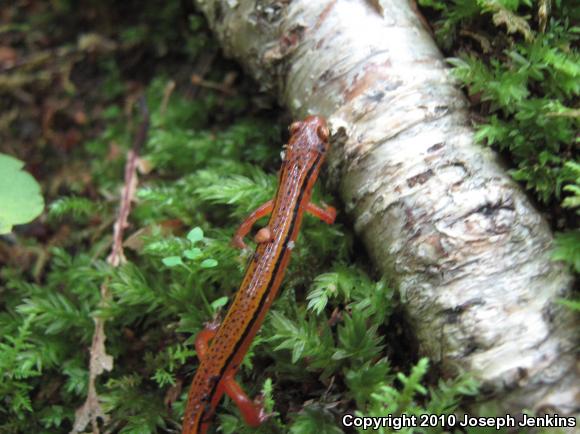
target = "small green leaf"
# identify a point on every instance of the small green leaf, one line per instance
(220, 302)
(192, 253)
(19, 195)
(208, 263)
(195, 235)
(172, 261)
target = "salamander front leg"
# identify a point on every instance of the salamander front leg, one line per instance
(246, 226)
(326, 214)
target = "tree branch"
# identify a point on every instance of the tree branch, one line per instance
(436, 211)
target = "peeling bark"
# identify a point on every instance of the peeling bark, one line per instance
(437, 212)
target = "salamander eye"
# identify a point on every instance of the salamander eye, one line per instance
(323, 133)
(294, 127)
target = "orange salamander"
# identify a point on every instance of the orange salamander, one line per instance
(221, 358)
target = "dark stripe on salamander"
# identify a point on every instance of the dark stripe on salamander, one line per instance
(240, 341)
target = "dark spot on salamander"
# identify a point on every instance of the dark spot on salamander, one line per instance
(213, 379)
(208, 415)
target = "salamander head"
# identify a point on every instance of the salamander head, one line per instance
(311, 134)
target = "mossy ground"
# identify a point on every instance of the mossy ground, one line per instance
(71, 73)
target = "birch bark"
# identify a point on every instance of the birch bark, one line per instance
(437, 212)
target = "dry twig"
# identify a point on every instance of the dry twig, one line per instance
(100, 361)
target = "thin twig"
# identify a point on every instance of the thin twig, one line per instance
(225, 87)
(169, 88)
(117, 256)
(100, 361)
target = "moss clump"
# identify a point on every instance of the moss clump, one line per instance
(519, 63)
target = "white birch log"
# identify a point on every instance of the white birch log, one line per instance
(437, 212)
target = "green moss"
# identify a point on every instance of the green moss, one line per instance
(327, 346)
(178, 278)
(525, 81)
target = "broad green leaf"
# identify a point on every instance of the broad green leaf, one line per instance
(192, 253)
(172, 261)
(20, 198)
(220, 302)
(208, 263)
(195, 235)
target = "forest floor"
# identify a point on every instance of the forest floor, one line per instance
(71, 78)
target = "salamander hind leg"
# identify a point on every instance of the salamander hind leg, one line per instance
(252, 410)
(203, 337)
